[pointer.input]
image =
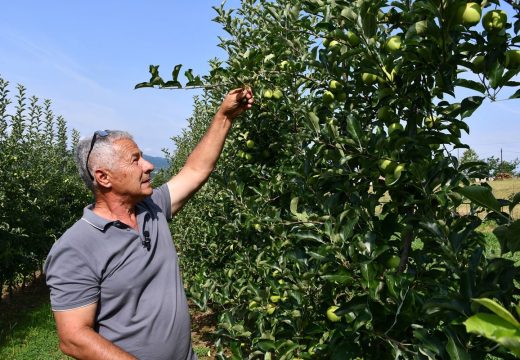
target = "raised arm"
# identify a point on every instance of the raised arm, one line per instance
(79, 340)
(202, 160)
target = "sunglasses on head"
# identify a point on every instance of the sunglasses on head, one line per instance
(98, 133)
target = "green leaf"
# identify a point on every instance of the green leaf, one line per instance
(488, 324)
(349, 14)
(471, 84)
(314, 121)
(469, 105)
(516, 95)
(498, 310)
(171, 83)
(189, 75)
(341, 277)
(480, 195)
(354, 129)
(294, 205)
(514, 202)
(308, 236)
(509, 236)
(266, 345)
(495, 328)
(175, 72)
(143, 85)
(456, 352)
(495, 75)
(154, 70)
(157, 80)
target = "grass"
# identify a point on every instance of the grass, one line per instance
(27, 329)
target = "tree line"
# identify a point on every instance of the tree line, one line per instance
(41, 193)
(493, 164)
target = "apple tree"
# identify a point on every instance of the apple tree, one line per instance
(41, 193)
(330, 227)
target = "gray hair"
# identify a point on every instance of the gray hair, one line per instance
(103, 154)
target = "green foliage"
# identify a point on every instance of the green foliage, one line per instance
(308, 217)
(41, 193)
(501, 326)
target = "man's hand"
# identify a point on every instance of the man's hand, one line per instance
(236, 102)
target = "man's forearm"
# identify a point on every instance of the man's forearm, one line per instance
(87, 344)
(205, 155)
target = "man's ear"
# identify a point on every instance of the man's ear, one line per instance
(103, 178)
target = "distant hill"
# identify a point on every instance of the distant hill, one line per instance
(158, 162)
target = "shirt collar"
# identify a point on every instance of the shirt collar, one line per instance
(100, 222)
(94, 219)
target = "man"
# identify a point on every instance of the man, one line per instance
(116, 290)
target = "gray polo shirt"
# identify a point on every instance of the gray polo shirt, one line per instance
(141, 304)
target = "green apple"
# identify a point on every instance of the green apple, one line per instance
(398, 170)
(277, 94)
(275, 298)
(335, 86)
(284, 64)
(248, 157)
(342, 96)
(257, 227)
(384, 113)
(333, 45)
(395, 128)
(387, 165)
(393, 262)
(469, 14)
(512, 59)
(268, 93)
(352, 39)
(393, 43)
(368, 78)
(328, 96)
(253, 305)
(250, 144)
(430, 121)
(270, 309)
(331, 315)
(326, 42)
(494, 20)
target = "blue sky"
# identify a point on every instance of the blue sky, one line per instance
(86, 56)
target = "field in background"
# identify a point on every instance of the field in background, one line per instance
(502, 189)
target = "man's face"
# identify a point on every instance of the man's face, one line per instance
(131, 178)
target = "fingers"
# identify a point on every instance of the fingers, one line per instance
(244, 96)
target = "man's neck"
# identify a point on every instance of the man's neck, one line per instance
(113, 208)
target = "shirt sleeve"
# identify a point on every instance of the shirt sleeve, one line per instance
(70, 278)
(161, 197)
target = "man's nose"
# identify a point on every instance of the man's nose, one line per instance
(147, 166)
